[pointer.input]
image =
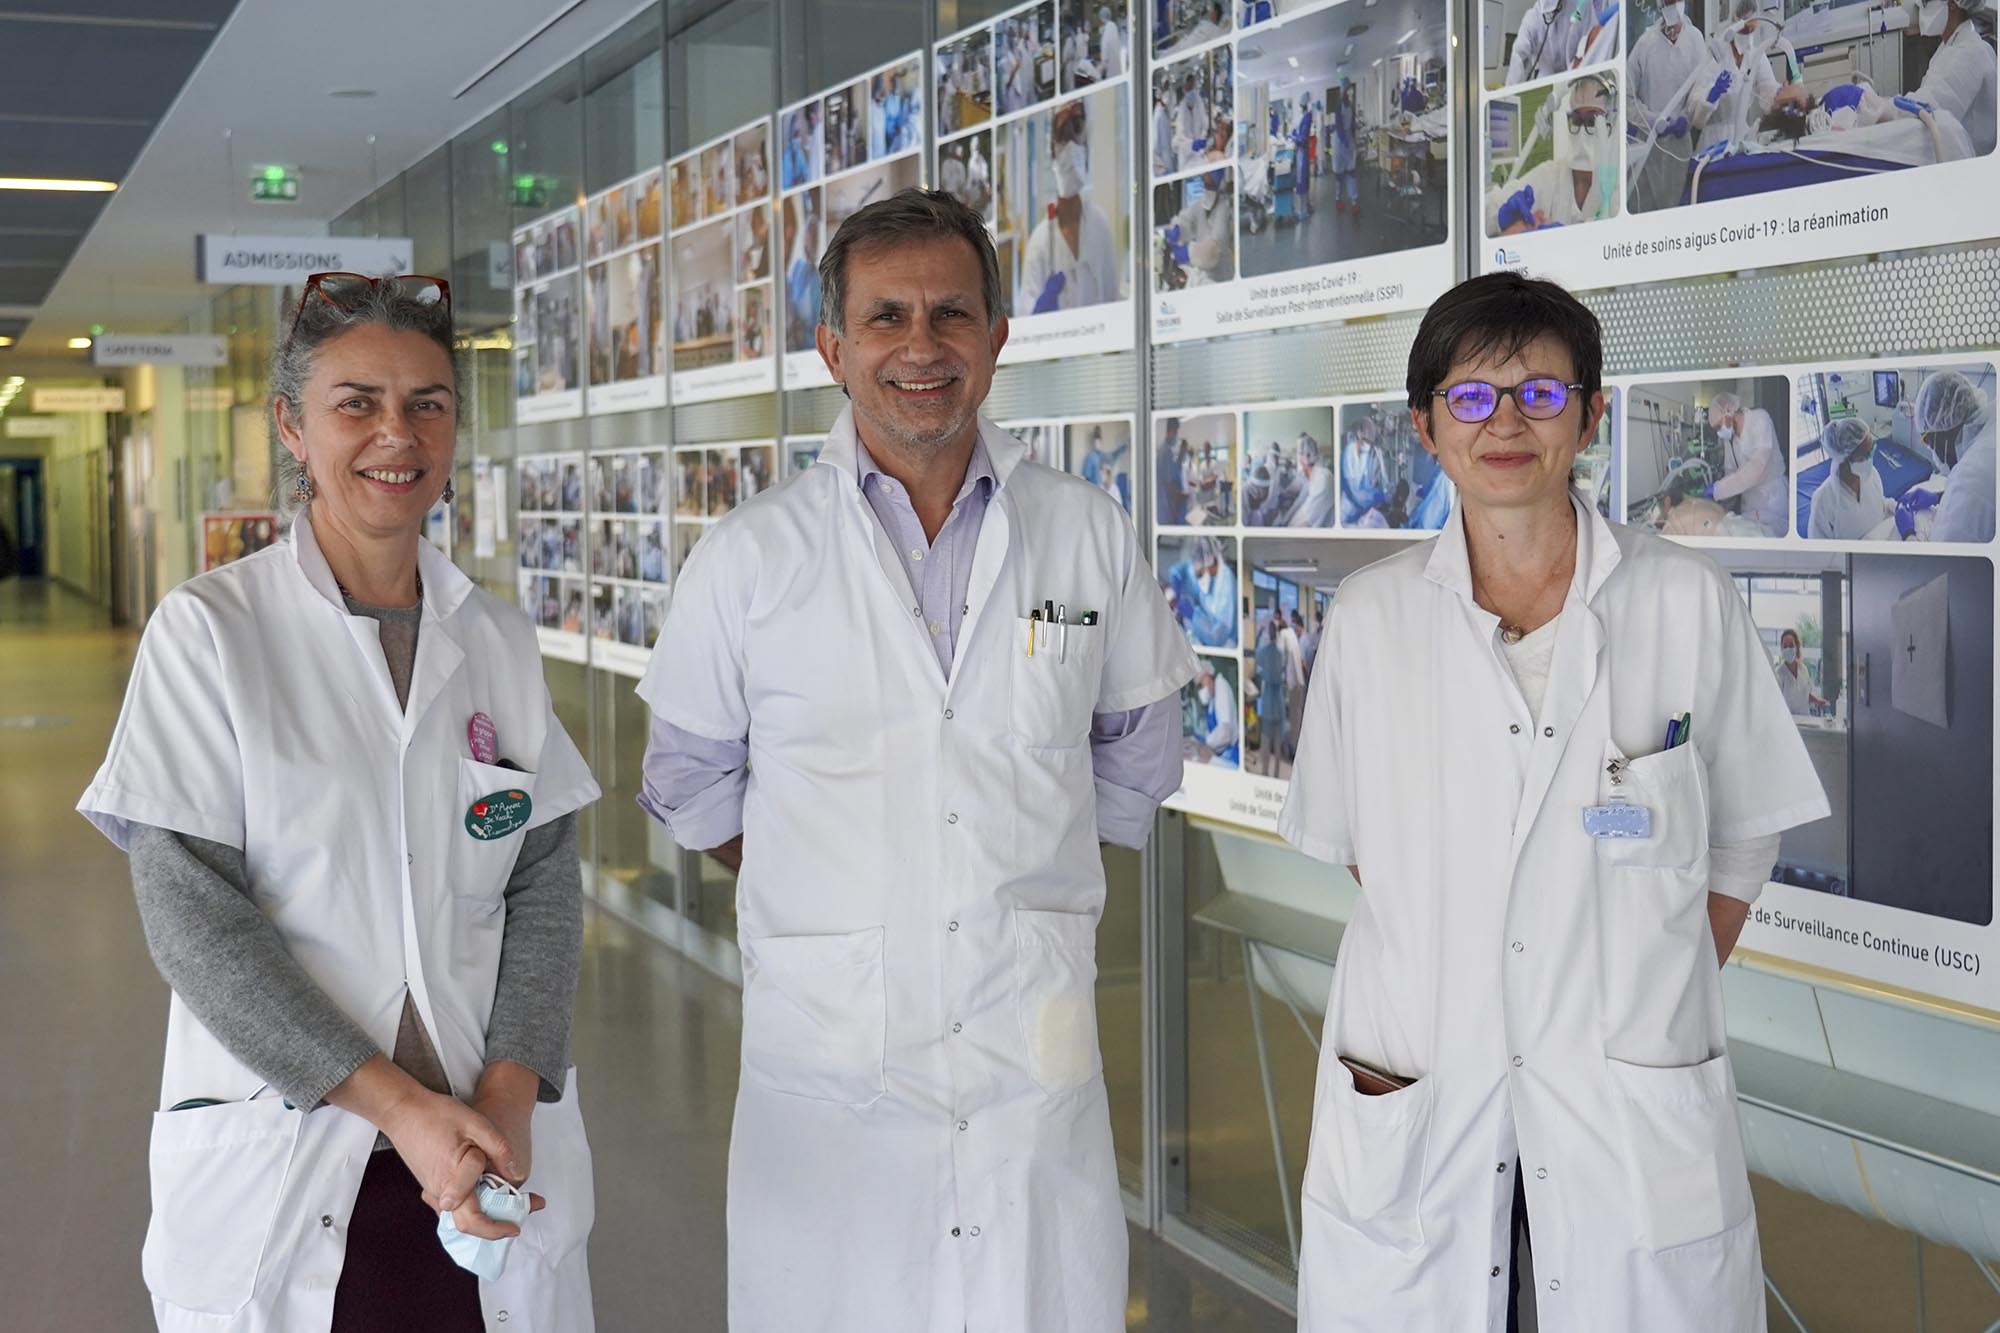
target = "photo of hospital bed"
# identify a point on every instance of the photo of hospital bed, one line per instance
(1672, 455)
(1882, 401)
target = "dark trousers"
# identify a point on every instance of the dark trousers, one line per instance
(397, 1277)
(1520, 1243)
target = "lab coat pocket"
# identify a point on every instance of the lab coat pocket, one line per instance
(1055, 687)
(492, 813)
(1683, 1150)
(1365, 1166)
(816, 1015)
(217, 1172)
(1673, 786)
(1056, 981)
(562, 1176)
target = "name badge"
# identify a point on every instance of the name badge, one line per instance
(1618, 819)
(497, 815)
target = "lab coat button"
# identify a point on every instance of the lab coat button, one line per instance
(1541, 1173)
(954, 1231)
(1517, 1062)
(964, 1125)
(975, 1231)
(1548, 731)
(1514, 728)
(1501, 1167)
(958, 1027)
(1517, 946)
(951, 819)
(1555, 1284)
(948, 715)
(325, 1220)
(953, 925)
(501, 1316)
(1495, 1272)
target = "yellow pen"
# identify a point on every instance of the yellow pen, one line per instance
(1034, 627)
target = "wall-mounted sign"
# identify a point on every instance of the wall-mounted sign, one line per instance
(77, 400)
(31, 428)
(275, 185)
(160, 349)
(287, 261)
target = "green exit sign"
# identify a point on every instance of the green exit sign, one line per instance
(532, 191)
(275, 185)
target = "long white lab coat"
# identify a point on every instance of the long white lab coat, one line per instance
(921, 1136)
(1966, 512)
(1754, 468)
(1960, 79)
(1322, 497)
(1796, 689)
(1111, 51)
(1659, 68)
(261, 715)
(1093, 268)
(1837, 514)
(1555, 997)
(1547, 41)
(1753, 85)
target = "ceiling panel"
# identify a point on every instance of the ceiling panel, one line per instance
(127, 71)
(36, 247)
(89, 152)
(27, 286)
(77, 12)
(54, 211)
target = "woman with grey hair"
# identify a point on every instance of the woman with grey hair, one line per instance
(350, 813)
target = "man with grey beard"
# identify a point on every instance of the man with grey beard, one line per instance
(905, 695)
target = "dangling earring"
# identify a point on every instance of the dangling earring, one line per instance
(450, 493)
(302, 489)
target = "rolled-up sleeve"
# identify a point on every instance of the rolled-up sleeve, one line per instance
(694, 785)
(1135, 757)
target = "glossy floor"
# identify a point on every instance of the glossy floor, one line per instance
(85, 1015)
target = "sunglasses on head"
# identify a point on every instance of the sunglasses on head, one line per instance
(345, 291)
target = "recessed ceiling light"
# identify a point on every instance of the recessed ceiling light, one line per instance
(351, 92)
(39, 183)
(78, 344)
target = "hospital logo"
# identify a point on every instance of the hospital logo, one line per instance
(1505, 258)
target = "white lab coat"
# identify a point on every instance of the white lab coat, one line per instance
(260, 715)
(1222, 717)
(1554, 184)
(1206, 230)
(1752, 86)
(1111, 51)
(921, 1137)
(1754, 468)
(1163, 140)
(1093, 268)
(1321, 498)
(1555, 997)
(1549, 35)
(1960, 79)
(1658, 69)
(1837, 514)
(1966, 513)
(1796, 689)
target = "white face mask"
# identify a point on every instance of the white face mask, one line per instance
(1206, 695)
(1932, 15)
(1582, 151)
(1790, 653)
(1072, 170)
(1726, 431)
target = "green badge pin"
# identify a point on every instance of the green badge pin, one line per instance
(497, 815)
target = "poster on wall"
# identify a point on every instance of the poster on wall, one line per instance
(722, 285)
(628, 544)
(1095, 448)
(622, 290)
(549, 552)
(1260, 511)
(1301, 163)
(226, 537)
(800, 452)
(712, 479)
(548, 324)
(1690, 140)
(1034, 133)
(839, 151)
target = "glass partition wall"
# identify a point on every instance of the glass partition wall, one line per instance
(1216, 946)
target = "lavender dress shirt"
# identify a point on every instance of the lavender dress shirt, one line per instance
(695, 786)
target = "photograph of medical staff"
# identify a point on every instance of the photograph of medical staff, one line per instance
(1868, 95)
(1289, 470)
(1198, 578)
(1183, 25)
(549, 363)
(800, 216)
(1194, 470)
(1043, 438)
(1894, 700)
(1709, 458)
(627, 333)
(1342, 137)
(685, 537)
(1194, 230)
(895, 110)
(846, 127)
(1552, 155)
(801, 452)
(1101, 453)
(753, 245)
(684, 193)
(1535, 39)
(704, 296)
(756, 471)
(1387, 478)
(753, 322)
(965, 171)
(1194, 113)
(752, 150)
(1064, 210)
(690, 483)
(1025, 59)
(965, 82)
(1292, 583)
(1895, 455)
(851, 194)
(548, 247)
(803, 157)
(1211, 719)
(718, 179)
(1096, 42)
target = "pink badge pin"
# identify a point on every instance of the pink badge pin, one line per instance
(483, 739)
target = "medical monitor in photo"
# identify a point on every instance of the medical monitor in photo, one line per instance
(1194, 470)
(1565, 169)
(1197, 575)
(1289, 468)
(1709, 457)
(1897, 456)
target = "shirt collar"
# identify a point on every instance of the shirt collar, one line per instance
(978, 470)
(445, 584)
(1597, 553)
(843, 450)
